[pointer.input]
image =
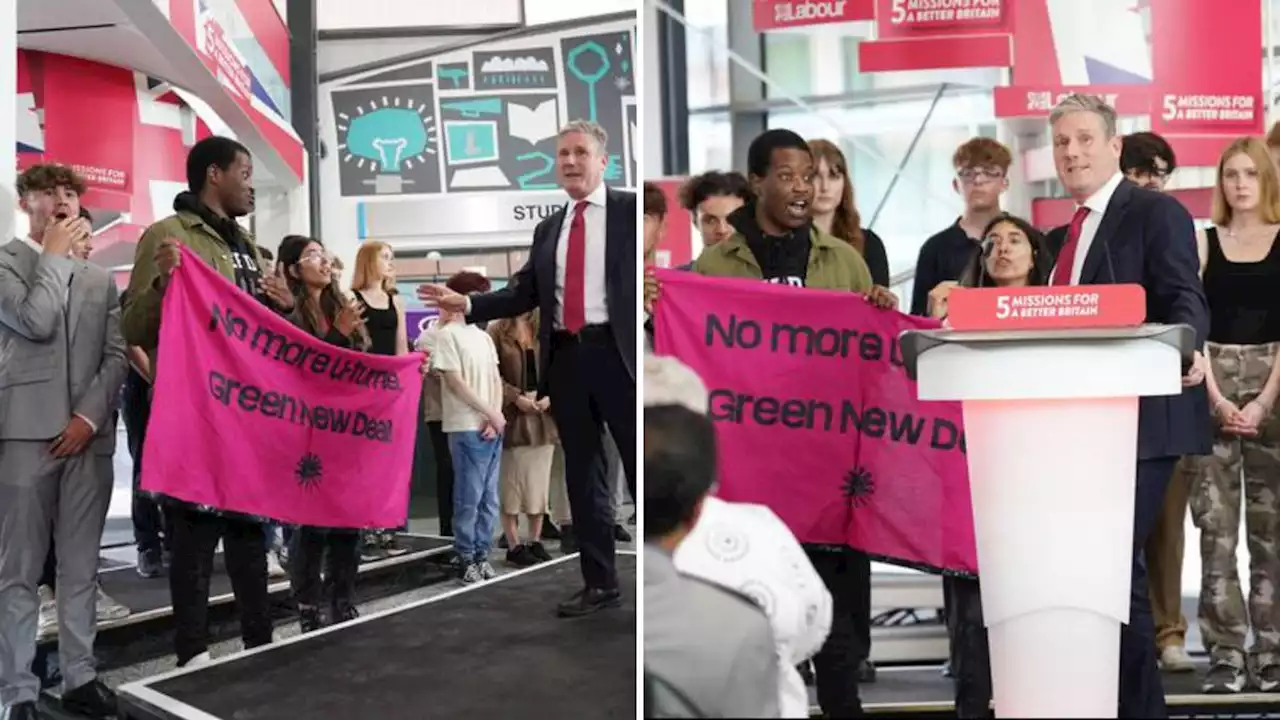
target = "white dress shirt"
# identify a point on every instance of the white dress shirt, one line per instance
(594, 216)
(747, 548)
(1097, 204)
(66, 307)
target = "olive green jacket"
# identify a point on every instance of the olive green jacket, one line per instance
(140, 322)
(833, 264)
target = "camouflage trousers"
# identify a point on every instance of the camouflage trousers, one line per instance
(1250, 466)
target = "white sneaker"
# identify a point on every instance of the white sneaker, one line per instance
(48, 610)
(198, 661)
(274, 568)
(1174, 659)
(109, 609)
(486, 570)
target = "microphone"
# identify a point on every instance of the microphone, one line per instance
(984, 252)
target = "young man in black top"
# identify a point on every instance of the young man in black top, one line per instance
(982, 169)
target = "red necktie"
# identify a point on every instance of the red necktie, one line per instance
(1067, 258)
(575, 272)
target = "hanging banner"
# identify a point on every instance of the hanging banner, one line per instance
(1212, 86)
(781, 14)
(817, 420)
(915, 18)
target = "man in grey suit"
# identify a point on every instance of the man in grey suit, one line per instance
(62, 363)
(710, 646)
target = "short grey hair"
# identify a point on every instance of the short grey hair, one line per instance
(667, 381)
(1081, 102)
(587, 127)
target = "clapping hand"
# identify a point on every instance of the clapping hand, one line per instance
(350, 318)
(276, 288)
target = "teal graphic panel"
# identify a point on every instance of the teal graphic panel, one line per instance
(387, 140)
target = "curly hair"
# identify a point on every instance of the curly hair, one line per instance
(39, 178)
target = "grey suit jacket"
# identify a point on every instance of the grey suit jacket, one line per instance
(61, 351)
(713, 646)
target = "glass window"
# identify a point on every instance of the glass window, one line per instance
(710, 142)
(788, 63)
(706, 53)
(876, 138)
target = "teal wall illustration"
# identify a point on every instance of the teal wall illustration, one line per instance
(486, 118)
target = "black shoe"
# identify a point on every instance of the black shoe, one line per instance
(93, 699)
(866, 672)
(539, 552)
(632, 520)
(521, 557)
(620, 534)
(150, 564)
(588, 601)
(344, 612)
(568, 540)
(503, 544)
(22, 711)
(309, 618)
(549, 529)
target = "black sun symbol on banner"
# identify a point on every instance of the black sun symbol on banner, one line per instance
(858, 487)
(309, 471)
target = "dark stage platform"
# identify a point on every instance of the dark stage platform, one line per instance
(919, 691)
(493, 650)
(149, 599)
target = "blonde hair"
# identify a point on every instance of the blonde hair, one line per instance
(367, 268)
(1268, 182)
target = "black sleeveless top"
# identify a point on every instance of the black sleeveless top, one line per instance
(1244, 306)
(381, 325)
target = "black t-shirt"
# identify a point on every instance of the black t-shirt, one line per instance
(943, 257)
(248, 273)
(784, 260)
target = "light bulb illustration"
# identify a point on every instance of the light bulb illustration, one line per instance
(387, 136)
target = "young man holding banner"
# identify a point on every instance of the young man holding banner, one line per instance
(220, 182)
(774, 240)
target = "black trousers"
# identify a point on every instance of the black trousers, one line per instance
(444, 475)
(847, 575)
(970, 653)
(338, 551)
(151, 531)
(195, 540)
(1141, 689)
(591, 389)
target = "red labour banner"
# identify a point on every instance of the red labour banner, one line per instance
(1033, 101)
(1212, 86)
(1046, 308)
(780, 14)
(916, 18)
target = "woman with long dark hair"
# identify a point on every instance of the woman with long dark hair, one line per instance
(835, 213)
(322, 311)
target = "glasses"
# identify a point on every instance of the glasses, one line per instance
(972, 175)
(313, 257)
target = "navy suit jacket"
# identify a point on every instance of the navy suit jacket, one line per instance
(534, 285)
(1152, 242)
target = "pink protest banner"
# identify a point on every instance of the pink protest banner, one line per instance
(255, 416)
(818, 421)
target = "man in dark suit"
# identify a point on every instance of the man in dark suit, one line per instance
(1121, 233)
(581, 276)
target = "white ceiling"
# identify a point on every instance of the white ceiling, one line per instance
(76, 28)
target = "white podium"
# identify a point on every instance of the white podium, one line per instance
(1051, 422)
